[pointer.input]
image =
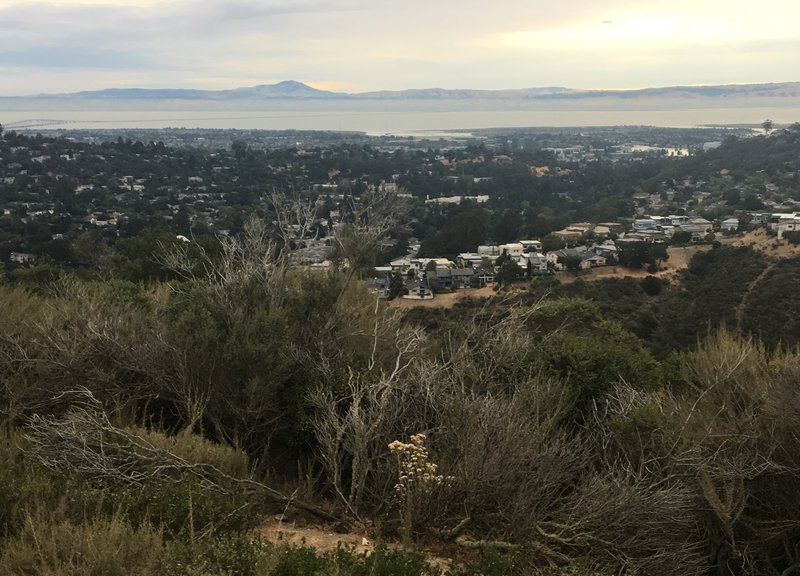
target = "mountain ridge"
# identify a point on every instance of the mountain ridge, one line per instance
(292, 89)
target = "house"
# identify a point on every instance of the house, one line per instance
(787, 225)
(489, 250)
(470, 259)
(485, 276)
(645, 224)
(462, 277)
(729, 225)
(635, 237)
(591, 260)
(22, 257)
(442, 277)
(701, 222)
(676, 219)
(606, 249)
(698, 232)
(782, 222)
(556, 257)
(401, 265)
(514, 250)
(582, 227)
(531, 245)
(613, 227)
(568, 235)
(441, 263)
(535, 262)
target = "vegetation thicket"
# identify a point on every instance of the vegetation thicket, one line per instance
(146, 428)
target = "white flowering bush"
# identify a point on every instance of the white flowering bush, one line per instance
(417, 478)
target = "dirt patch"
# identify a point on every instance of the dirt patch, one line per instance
(769, 245)
(679, 257)
(324, 539)
(317, 537)
(444, 300)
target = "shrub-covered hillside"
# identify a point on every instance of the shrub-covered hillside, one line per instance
(152, 429)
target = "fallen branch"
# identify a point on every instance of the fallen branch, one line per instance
(85, 441)
(467, 542)
(451, 533)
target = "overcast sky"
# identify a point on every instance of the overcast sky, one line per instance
(359, 45)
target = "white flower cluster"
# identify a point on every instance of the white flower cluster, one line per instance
(416, 472)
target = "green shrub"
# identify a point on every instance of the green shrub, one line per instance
(226, 556)
(652, 285)
(382, 562)
(198, 450)
(25, 486)
(180, 507)
(298, 561)
(106, 546)
(592, 364)
(493, 563)
(185, 509)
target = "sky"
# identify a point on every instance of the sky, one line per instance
(362, 45)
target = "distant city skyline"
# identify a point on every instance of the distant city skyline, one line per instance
(364, 45)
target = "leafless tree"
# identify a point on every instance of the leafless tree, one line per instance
(367, 219)
(354, 426)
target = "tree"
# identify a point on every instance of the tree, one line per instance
(551, 243)
(571, 262)
(507, 269)
(397, 286)
(681, 237)
(767, 126)
(652, 285)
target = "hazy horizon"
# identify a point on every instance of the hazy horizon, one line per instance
(389, 116)
(62, 46)
(45, 95)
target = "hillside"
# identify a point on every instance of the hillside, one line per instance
(197, 379)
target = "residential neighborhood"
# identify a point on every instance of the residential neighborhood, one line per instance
(474, 212)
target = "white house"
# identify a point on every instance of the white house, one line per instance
(787, 225)
(514, 250)
(729, 225)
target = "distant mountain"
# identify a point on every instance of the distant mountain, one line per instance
(285, 89)
(770, 90)
(445, 94)
(291, 90)
(288, 89)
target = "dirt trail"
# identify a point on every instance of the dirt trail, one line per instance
(742, 306)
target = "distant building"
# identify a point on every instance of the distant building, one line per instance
(729, 225)
(645, 224)
(22, 258)
(514, 249)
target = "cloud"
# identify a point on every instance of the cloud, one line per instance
(381, 44)
(74, 57)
